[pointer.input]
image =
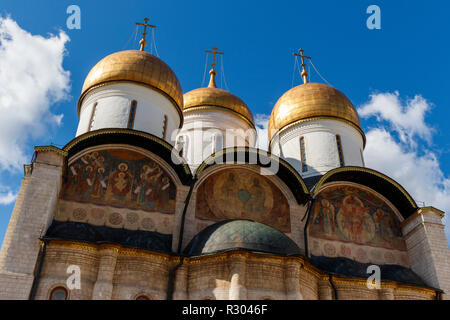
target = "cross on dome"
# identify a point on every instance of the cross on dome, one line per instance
(304, 73)
(212, 80)
(143, 42)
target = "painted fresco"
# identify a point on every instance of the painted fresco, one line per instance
(242, 194)
(352, 215)
(120, 178)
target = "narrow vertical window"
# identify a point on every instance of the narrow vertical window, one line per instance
(132, 114)
(92, 119)
(213, 143)
(165, 127)
(339, 149)
(362, 158)
(303, 154)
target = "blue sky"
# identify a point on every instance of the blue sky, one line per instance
(408, 55)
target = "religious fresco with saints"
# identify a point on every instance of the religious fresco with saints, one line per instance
(350, 214)
(120, 178)
(242, 194)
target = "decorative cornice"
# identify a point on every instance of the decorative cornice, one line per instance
(54, 149)
(420, 211)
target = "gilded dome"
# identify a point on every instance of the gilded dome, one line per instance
(137, 66)
(311, 100)
(212, 96)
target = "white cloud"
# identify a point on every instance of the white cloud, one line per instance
(6, 196)
(392, 148)
(407, 119)
(31, 80)
(262, 122)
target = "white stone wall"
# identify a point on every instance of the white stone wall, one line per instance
(320, 146)
(428, 249)
(113, 108)
(30, 219)
(200, 127)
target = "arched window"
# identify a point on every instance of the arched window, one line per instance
(142, 297)
(92, 119)
(59, 293)
(303, 154)
(339, 149)
(132, 114)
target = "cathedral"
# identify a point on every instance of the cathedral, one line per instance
(162, 195)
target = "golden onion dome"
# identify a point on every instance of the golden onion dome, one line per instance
(312, 100)
(136, 66)
(212, 97)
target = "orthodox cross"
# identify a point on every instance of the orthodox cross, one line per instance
(143, 43)
(304, 73)
(214, 52)
(212, 80)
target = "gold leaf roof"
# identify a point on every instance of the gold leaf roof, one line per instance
(136, 66)
(311, 100)
(215, 97)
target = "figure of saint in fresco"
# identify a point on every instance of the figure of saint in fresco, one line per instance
(324, 216)
(73, 178)
(100, 183)
(100, 178)
(151, 194)
(120, 182)
(228, 204)
(86, 181)
(142, 184)
(164, 193)
(254, 207)
(354, 221)
(385, 225)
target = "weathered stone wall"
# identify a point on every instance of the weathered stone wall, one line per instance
(428, 248)
(112, 272)
(31, 217)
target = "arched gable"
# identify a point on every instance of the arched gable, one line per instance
(352, 221)
(133, 138)
(122, 177)
(375, 180)
(238, 192)
(269, 164)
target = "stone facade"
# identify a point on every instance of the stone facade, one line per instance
(32, 214)
(113, 271)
